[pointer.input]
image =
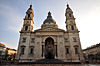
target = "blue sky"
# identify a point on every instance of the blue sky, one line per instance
(86, 12)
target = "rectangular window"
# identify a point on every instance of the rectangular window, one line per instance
(67, 49)
(32, 40)
(24, 39)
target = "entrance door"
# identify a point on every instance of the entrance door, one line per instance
(49, 48)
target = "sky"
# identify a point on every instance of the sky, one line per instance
(86, 12)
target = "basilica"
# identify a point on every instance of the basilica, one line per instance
(49, 41)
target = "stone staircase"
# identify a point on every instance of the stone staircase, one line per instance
(49, 61)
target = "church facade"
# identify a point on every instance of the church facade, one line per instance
(50, 42)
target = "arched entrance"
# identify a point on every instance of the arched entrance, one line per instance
(49, 48)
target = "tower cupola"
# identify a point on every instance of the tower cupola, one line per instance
(70, 20)
(28, 20)
(69, 12)
(29, 13)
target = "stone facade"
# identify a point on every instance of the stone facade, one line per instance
(50, 42)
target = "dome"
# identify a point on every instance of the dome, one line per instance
(49, 22)
(49, 19)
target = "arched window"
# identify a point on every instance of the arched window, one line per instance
(22, 49)
(76, 48)
(28, 15)
(69, 15)
(67, 49)
(31, 49)
(26, 27)
(49, 48)
(72, 27)
(24, 39)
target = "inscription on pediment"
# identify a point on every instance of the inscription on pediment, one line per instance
(50, 29)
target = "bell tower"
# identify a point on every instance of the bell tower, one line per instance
(70, 20)
(74, 39)
(28, 21)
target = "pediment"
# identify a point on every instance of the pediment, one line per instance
(50, 29)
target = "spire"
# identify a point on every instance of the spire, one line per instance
(68, 7)
(49, 15)
(30, 6)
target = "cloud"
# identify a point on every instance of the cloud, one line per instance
(12, 16)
